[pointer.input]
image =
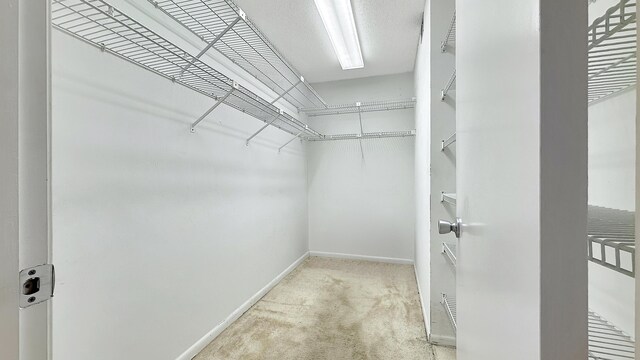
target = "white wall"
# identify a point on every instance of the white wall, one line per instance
(612, 152)
(363, 206)
(422, 81)
(612, 162)
(159, 234)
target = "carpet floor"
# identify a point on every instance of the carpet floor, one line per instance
(333, 309)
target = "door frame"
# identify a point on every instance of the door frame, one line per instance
(9, 316)
(34, 164)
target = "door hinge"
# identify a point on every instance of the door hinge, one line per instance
(36, 284)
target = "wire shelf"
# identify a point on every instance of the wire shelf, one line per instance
(449, 252)
(612, 51)
(102, 25)
(447, 142)
(449, 303)
(450, 37)
(606, 342)
(449, 198)
(363, 136)
(361, 107)
(611, 235)
(223, 23)
(450, 86)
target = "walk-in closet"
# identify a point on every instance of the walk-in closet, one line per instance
(318, 180)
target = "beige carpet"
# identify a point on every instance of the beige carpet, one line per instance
(333, 309)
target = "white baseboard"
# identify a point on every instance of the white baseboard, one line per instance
(361, 257)
(205, 340)
(425, 314)
(443, 340)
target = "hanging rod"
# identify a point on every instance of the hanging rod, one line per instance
(612, 48)
(372, 135)
(449, 86)
(105, 27)
(362, 107)
(450, 38)
(449, 198)
(223, 26)
(446, 143)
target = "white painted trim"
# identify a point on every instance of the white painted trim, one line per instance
(211, 335)
(442, 340)
(425, 314)
(361, 257)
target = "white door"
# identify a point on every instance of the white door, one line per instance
(24, 179)
(521, 179)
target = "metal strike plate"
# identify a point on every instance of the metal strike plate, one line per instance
(36, 285)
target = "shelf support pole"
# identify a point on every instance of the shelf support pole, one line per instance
(264, 127)
(241, 16)
(289, 142)
(359, 106)
(287, 91)
(218, 102)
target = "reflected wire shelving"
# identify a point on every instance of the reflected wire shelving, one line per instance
(612, 51)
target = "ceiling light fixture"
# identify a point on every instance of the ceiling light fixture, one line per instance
(337, 16)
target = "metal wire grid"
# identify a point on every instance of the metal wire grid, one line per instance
(612, 51)
(611, 235)
(449, 303)
(363, 136)
(371, 106)
(243, 44)
(103, 26)
(450, 37)
(449, 252)
(606, 342)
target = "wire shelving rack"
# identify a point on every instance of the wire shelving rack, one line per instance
(612, 51)
(363, 136)
(450, 37)
(449, 304)
(606, 342)
(611, 239)
(449, 252)
(450, 86)
(222, 25)
(362, 107)
(448, 198)
(105, 27)
(448, 142)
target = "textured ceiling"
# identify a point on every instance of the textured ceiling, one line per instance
(388, 29)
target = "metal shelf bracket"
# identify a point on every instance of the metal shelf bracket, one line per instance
(218, 102)
(450, 140)
(241, 16)
(289, 142)
(301, 80)
(264, 127)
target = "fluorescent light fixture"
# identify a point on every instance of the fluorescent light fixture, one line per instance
(337, 16)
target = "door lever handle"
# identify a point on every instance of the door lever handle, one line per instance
(445, 227)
